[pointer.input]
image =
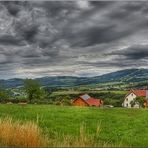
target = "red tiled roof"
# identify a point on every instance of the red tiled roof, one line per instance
(139, 93)
(94, 102)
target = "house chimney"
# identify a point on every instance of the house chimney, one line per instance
(146, 94)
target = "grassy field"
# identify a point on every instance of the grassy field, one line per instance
(119, 126)
(62, 92)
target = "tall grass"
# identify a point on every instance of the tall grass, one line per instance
(18, 134)
(84, 139)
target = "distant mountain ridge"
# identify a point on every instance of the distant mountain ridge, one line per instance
(127, 75)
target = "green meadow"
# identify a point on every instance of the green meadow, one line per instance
(117, 126)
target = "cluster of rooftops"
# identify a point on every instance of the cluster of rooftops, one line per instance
(86, 100)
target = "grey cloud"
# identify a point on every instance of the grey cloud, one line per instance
(97, 35)
(101, 4)
(67, 33)
(55, 8)
(135, 52)
(135, 6)
(13, 8)
(28, 32)
(117, 62)
(11, 40)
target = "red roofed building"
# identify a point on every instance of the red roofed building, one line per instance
(132, 95)
(86, 100)
(139, 93)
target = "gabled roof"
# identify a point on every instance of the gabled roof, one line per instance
(139, 93)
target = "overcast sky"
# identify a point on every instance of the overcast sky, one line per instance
(76, 38)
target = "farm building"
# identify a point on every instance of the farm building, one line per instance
(132, 95)
(86, 100)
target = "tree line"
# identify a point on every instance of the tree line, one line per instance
(32, 88)
(35, 93)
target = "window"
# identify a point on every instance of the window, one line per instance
(126, 99)
(127, 105)
(132, 94)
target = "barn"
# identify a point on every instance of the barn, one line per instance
(86, 100)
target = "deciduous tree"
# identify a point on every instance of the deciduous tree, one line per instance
(33, 89)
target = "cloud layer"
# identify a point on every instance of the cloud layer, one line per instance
(79, 38)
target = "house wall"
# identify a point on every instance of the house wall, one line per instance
(79, 102)
(128, 99)
(146, 94)
(97, 104)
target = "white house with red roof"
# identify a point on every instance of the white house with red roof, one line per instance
(132, 95)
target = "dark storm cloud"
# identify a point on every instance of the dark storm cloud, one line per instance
(119, 14)
(10, 40)
(135, 6)
(28, 32)
(135, 52)
(100, 4)
(54, 8)
(12, 7)
(97, 35)
(60, 37)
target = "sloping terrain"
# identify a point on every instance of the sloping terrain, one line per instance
(122, 76)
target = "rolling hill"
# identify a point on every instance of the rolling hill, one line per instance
(122, 76)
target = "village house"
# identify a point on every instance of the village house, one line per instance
(86, 100)
(132, 95)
